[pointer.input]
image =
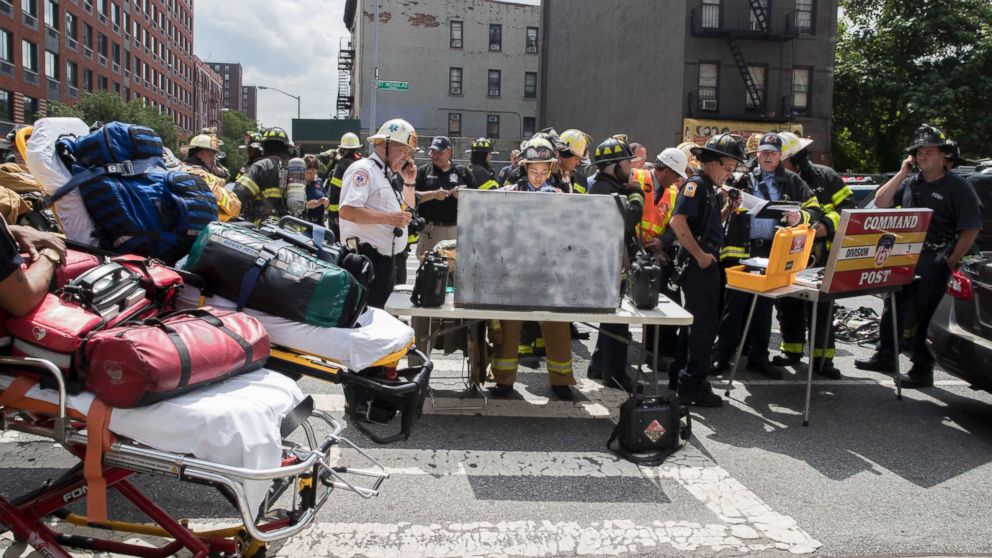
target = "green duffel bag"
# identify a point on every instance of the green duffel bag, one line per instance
(269, 275)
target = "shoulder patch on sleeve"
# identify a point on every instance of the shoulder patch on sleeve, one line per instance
(690, 190)
(361, 178)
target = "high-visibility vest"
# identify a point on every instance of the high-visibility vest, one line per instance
(644, 179)
(657, 215)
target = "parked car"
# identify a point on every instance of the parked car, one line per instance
(960, 333)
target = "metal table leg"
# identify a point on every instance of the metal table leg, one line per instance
(895, 340)
(810, 349)
(740, 346)
(469, 384)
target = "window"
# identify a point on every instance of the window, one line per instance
(6, 106)
(70, 25)
(52, 14)
(101, 44)
(758, 77)
(492, 126)
(456, 34)
(101, 6)
(87, 35)
(800, 90)
(30, 105)
(709, 77)
(29, 56)
(104, 83)
(71, 73)
(495, 77)
(454, 81)
(804, 16)
(29, 7)
(531, 46)
(495, 37)
(710, 14)
(530, 123)
(117, 54)
(454, 124)
(51, 65)
(530, 85)
(6, 47)
(115, 15)
(88, 80)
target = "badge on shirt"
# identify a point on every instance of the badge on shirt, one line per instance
(453, 178)
(690, 190)
(361, 179)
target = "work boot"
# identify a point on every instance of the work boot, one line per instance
(563, 393)
(501, 390)
(594, 373)
(766, 369)
(699, 395)
(878, 362)
(787, 359)
(919, 376)
(826, 369)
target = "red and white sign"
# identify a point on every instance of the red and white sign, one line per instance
(875, 248)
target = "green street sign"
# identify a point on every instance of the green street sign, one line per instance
(393, 85)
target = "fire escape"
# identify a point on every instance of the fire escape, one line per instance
(755, 21)
(346, 61)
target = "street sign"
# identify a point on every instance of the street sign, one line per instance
(394, 85)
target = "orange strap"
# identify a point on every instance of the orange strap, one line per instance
(99, 440)
(16, 390)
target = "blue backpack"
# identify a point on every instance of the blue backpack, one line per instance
(138, 206)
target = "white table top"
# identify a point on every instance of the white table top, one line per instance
(666, 313)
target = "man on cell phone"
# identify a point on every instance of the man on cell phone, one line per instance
(954, 226)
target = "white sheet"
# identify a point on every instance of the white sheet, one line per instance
(235, 422)
(49, 171)
(378, 334)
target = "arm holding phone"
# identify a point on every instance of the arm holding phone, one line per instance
(885, 196)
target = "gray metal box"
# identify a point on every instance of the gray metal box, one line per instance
(538, 251)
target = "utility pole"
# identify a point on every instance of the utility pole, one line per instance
(375, 65)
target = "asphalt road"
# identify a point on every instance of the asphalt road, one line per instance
(531, 476)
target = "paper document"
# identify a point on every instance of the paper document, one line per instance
(767, 210)
(761, 263)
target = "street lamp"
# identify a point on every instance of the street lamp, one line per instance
(288, 95)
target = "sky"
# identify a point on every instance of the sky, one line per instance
(291, 45)
(288, 44)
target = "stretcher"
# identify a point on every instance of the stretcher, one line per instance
(235, 436)
(364, 359)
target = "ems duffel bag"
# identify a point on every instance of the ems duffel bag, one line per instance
(138, 207)
(320, 242)
(136, 365)
(273, 276)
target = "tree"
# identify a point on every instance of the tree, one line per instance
(235, 124)
(902, 63)
(107, 107)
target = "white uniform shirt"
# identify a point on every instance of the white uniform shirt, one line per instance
(365, 185)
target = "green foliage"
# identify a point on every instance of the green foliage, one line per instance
(902, 63)
(235, 124)
(108, 107)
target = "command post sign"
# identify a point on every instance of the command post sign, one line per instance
(875, 248)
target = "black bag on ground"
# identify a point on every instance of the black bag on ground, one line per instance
(275, 277)
(650, 429)
(431, 284)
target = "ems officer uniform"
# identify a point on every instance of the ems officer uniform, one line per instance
(365, 185)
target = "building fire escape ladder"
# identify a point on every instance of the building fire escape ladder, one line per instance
(346, 61)
(760, 10)
(752, 89)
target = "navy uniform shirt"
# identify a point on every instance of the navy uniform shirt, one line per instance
(696, 195)
(953, 200)
(429, 177)
(10, 259)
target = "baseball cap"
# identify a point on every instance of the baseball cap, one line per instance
(440, 143)
(770, 142)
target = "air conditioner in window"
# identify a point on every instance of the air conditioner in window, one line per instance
(707, 104)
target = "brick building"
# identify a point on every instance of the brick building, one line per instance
(249, 101)
(231, 73)
(208, 94)
(58, 50)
